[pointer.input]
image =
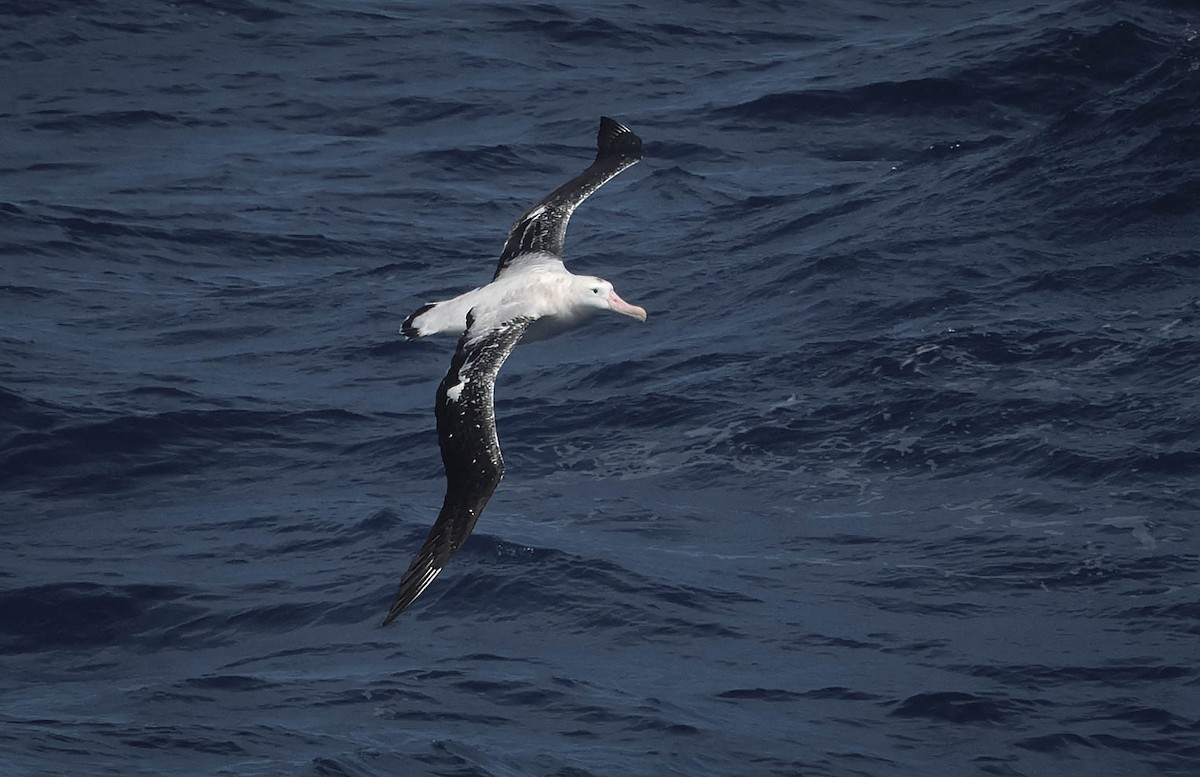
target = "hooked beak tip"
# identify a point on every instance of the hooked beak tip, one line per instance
(618, 305)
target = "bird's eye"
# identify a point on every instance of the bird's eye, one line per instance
(596, 290)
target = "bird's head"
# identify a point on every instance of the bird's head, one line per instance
(598, 293)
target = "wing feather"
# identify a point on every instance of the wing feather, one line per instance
(543, 228)
(466, 423)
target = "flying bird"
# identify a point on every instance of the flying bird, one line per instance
(531, 297)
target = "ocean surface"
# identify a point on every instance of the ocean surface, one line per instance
(901, 477)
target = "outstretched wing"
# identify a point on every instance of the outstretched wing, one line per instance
(466, 423)
(544, 226)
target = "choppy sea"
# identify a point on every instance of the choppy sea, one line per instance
(901, 477)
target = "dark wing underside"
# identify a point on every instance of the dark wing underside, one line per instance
(466, 425)
(544, 226)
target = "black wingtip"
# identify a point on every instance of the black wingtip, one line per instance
(615, 139)
(399, 606)
(418, 577)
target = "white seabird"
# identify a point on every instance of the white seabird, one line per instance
(531, 297)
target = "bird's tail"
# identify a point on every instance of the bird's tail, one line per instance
(412, 327)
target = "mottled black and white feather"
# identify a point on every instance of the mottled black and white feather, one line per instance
(543, 227)
(533, 296)
(466, 423)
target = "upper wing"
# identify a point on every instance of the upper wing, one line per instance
(466, 425)
(544, 226)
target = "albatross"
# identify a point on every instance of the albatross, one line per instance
(532, 296)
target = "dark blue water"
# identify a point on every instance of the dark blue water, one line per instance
(901, 477)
